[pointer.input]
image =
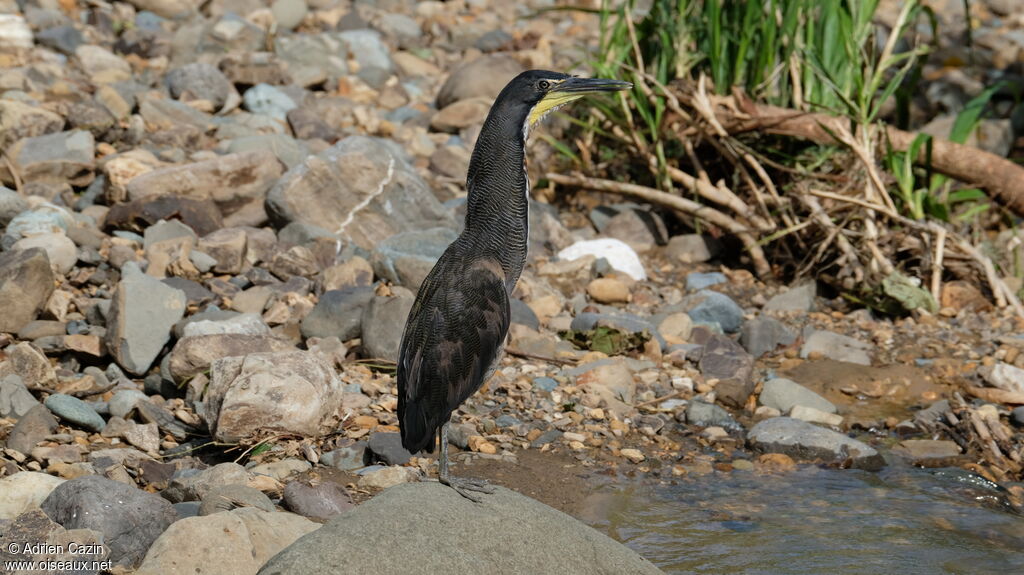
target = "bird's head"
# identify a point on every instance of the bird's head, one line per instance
(535, 93)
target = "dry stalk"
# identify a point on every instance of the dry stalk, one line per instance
(676, 203)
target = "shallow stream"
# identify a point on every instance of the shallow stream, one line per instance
(820, 521)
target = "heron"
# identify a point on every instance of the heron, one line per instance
(457, 326)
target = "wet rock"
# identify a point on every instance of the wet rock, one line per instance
(406, 258)
(142, 313)
(60, 250)
(26, 282)
(805, 441)
(195, 354)
(617, 253)
(388, 477)
(361, 189)
(235, 182)
(318, 501)
(784, 394)
(836, 346)
(1004, 376)
(386, 448)
(708, 414)
(724, 360)
(15, 399)
(233, 496)
(74, 411)
(339, 313)
(53, 158)
(129, 519)
(383, 322)
(929, 452)
(480, 78)
(19, 120)
(237, 541)
(712, 307)
(534, 538)
(799, 298)
(200, 81)
(289, 391)
(31, 428)
(764, 334)
(24, 491)
(200, 214)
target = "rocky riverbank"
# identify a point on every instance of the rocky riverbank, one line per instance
(214, 221)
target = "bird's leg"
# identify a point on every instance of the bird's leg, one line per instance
(462, 485)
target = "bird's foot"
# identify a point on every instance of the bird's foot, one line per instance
(464, 485)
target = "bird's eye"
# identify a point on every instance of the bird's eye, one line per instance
(543, 84)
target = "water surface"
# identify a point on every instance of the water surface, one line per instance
(820, 521)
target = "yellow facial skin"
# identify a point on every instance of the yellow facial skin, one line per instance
(552, 101)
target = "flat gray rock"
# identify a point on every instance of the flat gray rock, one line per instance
(836, 346)
(799, 298)
(784, 395)
(426, 527)
(808, 442)
(383, 322)
(142, 313)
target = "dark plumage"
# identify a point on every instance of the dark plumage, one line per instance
(457, 325)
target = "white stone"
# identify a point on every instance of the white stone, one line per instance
(812, 415)
(619, 255)
(1006, 376)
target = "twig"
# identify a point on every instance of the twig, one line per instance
(677, 203)
(14, 174)
(940, 248)
(520, 353)
(658, 400)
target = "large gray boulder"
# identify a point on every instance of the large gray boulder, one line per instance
(361, 189)
(129, 519)
(429, 528)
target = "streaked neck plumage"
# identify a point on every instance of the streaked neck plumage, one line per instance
(497, 209)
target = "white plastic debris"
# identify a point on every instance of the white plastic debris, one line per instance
(620, 256)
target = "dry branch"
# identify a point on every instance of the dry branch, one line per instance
(1000, 178)
(677, 203)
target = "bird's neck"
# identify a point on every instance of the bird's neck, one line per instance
(497, 210)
